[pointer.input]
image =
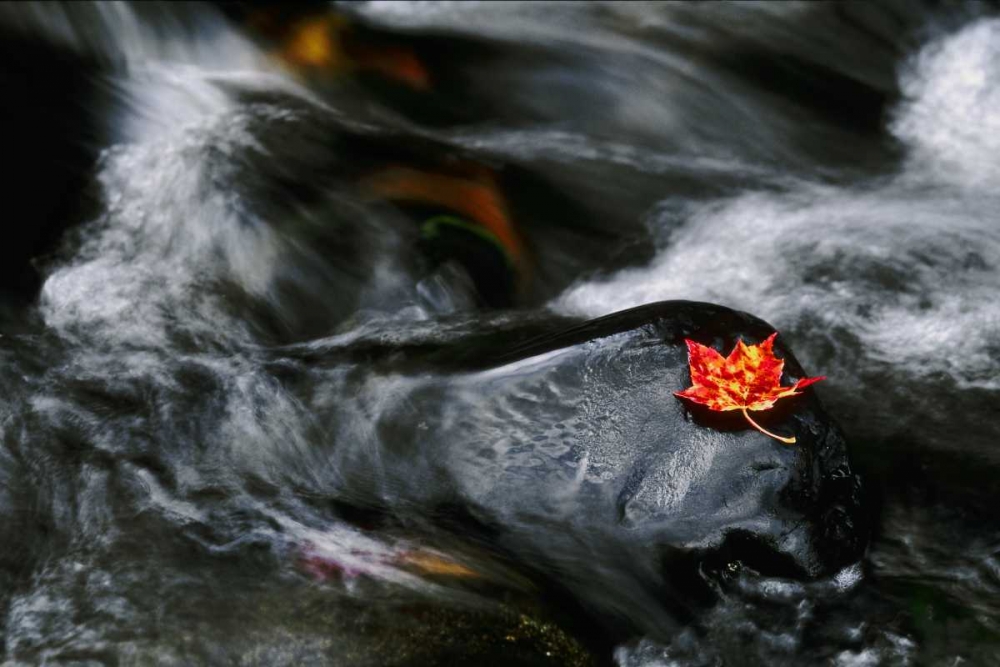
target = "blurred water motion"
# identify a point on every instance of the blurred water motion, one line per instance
(207, 190)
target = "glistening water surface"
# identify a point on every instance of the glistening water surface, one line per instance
(198, 467)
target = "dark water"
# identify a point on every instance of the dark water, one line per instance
(174, 488)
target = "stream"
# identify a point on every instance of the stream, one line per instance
(242, 423)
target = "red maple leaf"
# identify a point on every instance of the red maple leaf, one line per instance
(748, 379)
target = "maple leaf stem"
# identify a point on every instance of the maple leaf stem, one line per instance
(787, 441)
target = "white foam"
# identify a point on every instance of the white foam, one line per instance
(166, 229)
(908, 265)
(911, 274)
(950, 118)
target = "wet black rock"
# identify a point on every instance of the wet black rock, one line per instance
(565, 449)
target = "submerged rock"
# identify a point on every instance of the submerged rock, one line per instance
(546, 460)
(562, 447)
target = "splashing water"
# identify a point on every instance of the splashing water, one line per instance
(181, 486)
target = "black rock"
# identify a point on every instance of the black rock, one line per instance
(562, 446)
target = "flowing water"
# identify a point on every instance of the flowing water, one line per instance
(174, 489)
